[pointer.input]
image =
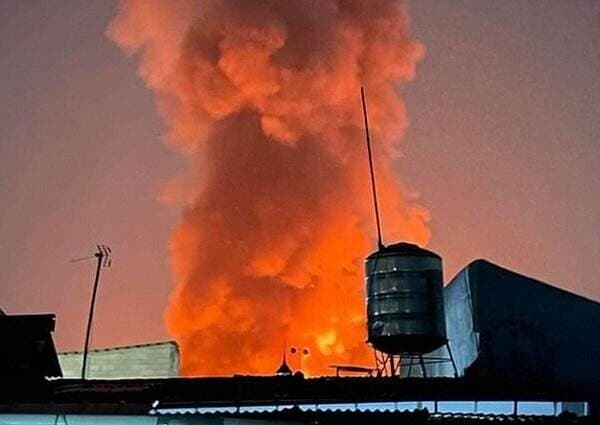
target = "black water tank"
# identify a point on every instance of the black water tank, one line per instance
(405, 305)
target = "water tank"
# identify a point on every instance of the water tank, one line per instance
(405, 305)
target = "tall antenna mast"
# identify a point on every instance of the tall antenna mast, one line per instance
(380, 244)
(103, 260)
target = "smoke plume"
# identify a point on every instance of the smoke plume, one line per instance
(263, 98)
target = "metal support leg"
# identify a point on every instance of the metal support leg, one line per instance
(423, 369)
(452, 359)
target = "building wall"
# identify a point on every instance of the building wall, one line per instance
(503, 325)
(159, 360)
(532, 329)
(462, 336)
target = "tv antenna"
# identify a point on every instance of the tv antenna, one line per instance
(380, 244)
(103, 259)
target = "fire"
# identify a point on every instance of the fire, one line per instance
(263, 98)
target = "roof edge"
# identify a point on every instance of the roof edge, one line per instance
(124, 347)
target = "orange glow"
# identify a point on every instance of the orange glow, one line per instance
(263, 97)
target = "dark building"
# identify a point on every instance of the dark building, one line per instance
(522, 349)
(504, 326)
(27, 351)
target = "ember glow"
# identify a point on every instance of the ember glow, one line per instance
(263, 98)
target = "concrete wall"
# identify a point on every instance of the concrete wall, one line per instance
(159, 360)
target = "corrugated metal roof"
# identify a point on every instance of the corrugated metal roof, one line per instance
(341, 416)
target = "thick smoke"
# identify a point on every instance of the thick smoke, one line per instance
(263, 97)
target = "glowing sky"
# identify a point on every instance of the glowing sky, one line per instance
(504, 148)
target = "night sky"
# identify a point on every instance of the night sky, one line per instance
(503, 148)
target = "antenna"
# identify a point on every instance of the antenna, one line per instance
(380, 244)
(103, 257)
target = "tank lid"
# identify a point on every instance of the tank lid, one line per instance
(404, 248)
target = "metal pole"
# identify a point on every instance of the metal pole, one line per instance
(99, 255)
(423, 369)
(303, 353)
(371, 169)
(410, 367)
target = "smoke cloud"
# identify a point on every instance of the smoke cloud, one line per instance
(263, 98)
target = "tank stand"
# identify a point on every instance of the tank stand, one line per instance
(403, 364)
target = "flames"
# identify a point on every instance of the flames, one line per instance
(263, 98)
